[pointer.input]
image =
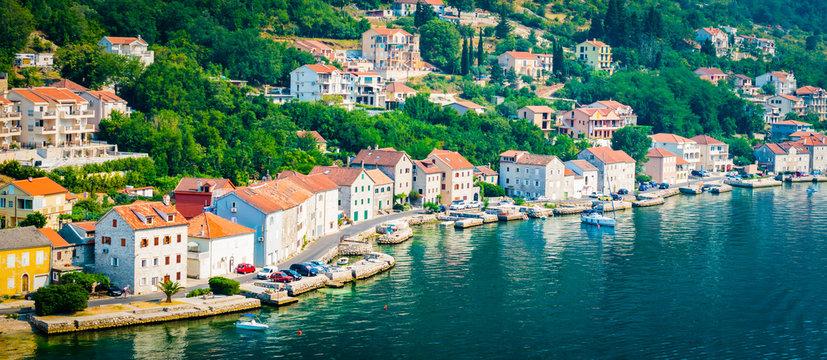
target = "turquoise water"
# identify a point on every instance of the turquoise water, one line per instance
(737, 275)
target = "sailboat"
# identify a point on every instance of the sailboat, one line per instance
(596, 217)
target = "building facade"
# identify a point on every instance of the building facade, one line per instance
(682, 147)
(427, 181)
(395, 164)
(457, 176)
(128, 46)
(815, 99)
(615, 169)
(355, 190)
(714, 154)
(194, 195)
(592, 123)
(596, 54)
(216, 246)
(783, 82)
(541, 116)
(53, 116)
(588, 172)
(526, 175)
(25, 255)
(21, 198)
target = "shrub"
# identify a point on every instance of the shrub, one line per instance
(60, 299)
(519, 201)
(223, 286)
(198, 292)
(86, 280)
(642, 178)
(431, 207)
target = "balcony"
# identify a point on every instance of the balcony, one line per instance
(9, 115)
(76, 129)
(45, 130)
(9, 131)
(45, 114)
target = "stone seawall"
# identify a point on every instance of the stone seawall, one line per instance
(193, 308)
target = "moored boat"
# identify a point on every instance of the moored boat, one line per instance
(692, 190)
(594, 217)
(250, 322)
(342, 261)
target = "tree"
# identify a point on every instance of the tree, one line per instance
(90, 66)
(440, 44)
(708, 48)
(596, 30)
(31, 76)
(633, 140)
(490, 190)
(502, 29)
(812, 41)
(423, 14)
(170, 288)
(464, 57)
(35, 219)
(613, 25)
(512, 78)
(480, 52)
(16, 23)
(768, 89)
(224, 286)
(461, 5)
(60, 299)
(496, 74)
(558, 61)
(89, 281)
(653, 26)
(414, 196)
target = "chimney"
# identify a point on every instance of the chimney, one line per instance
(165, 200)
(202, 231)
(29, 178)
(199, 185)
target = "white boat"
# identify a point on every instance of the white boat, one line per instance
(342, 261)
(811, 190)
(594, 217)
(250, 322)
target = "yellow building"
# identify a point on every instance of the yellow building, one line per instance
(25, 255)
(23, 197)
(596, 54)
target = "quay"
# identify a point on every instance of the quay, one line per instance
(648, 202)
(111, 316)
(753, 184)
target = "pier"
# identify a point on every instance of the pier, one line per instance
(753, 183)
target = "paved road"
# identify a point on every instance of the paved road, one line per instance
(312, 252)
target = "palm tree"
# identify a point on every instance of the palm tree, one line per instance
(170, 288)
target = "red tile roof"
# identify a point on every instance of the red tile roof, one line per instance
(378, 177)
(89, 226)
(709, 71)
(427, 166)
(680, 161)
(608, 156)
(568, 172)
(124, 40)
(106, 96)
(611, 104)
(521, 54)
(594, 42)
(399, 87)
(800, 148)
(792, 122)
(808, 90)
(57, 240)
(4, 101)
(190, 184)
(706, 140)
(383, 31)
(775, 149)
(526, 158)
(790, 97)
(315, 134)
(485, 170)
(142, 215)
(68, 84)
(320, 68)
(453, 159)
(312, 183)
(538, 108)
(62, 96)
(669, 138)
(469, 104)
(274, 195)
(342, 176)
(39, 186)
(659, 153)
(781, 75)
(583, 165)
(31, 96)
(379, 157)
(211, 226)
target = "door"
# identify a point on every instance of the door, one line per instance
(166, 278)
(24, 284)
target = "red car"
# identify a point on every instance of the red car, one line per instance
(281, 277)
(245, 268)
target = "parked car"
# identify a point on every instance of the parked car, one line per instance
(594, 195)
(458, 205)
(322, 265)
(642, 187)
(266, 271)
(30, 296)
(293, 273)
(281, 277)
(304, 269)
(114, 290)
(617, 197)
(245, 268)
(604, 197)
(697, 173)
(542, 198)
(623, 192)
(663, 186)
(474, 204)
(653, 184)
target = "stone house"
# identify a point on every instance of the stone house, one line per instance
(427, 179)
(615, 169)
(530, 176)
(484, 173)
(783, 157)
(355, 190)
(323, 215)
(395, 164)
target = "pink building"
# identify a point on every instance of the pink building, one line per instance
(594, 123)
(663, 167)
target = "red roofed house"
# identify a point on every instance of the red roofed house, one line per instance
(587, 183)
(54, 117)
(20, 198)
(767, 46)
(531, 176)
(663, 167)
(69, 84)
(625, 112)
(464, 106)
(217, 245)
(783, 157)
(103, 103)
(315, 47)
(395, 164)
(398, 92)
(192, 195)
(321, 143)
(128, 46)
(457, 176)
(427, 180)
(615, 169)
(9, 123)
(817, 146)
(783, 82)
(591, 122)
(391, 49)
(718, 38)
(542, 116)
(312, 82)
(484, 173)
(62, 259)
(408, 7)
(714, 154)
(324, 206)
(684, 148)
(712, 75)
(815, 99)
(781, 130)
(526, 63)
(142, 245)
(356, 190)
(596, 54)
(788, 104)
(368, 89)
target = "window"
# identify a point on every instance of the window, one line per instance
(166, 260)
(114, 222)
(156, 241)
(114, 261)
(155, 280)
(10, 261)
(178, 276)
(178, 258)
(55, 276)
(167, 240)
(143, 262)
(155, 262)
(123, 242)
(179, 237)
(144, 243)
(143, 281)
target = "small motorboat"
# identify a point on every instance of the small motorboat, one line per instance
(594, 217)
(811, 190)
(250, 322)
(342, 261)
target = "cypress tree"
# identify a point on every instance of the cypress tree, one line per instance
(471, 51)
(558, 62)
(464, 58)
(596, 30)
(480, 51)
(502, 29)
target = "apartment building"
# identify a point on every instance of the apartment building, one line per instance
(593, 123)
(718, 38)
(783, 129)
(457, 176)
(21, 198)
(312, 82)
(142, 245)
(625, 112)
(596, 54)
(815, 100)
(427, 181)
(542, 116)
(788, 104)
(682, 147)
(783, 82)
(382, 190)
(10, 128)
(662, 166)
(615, 168)
(395, 164)
(356, 194)
(128, 46)
(783, 157)
(817, 146)
(317, 48)
(526, 63)
(103, 103)
(391, 49)
(408, 7)
(52, 117)
(714, 154)
(368, 89)
(323, 215)
(531, 176)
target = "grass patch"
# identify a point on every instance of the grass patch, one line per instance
(104, 309)
(151, 304)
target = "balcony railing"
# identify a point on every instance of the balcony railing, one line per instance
(45, 130)
(15, 130)
(10, 115)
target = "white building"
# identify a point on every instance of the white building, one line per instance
(684, 148)
(128, 46)
(103, 103)
(408, 7)
(464, 106)
(324, 207)
(217, 245)
(311, 82)
(395, 164)
(355, 190)
(141, 245)
(526, 175)
(625, 112)
(783, 82)
(52, 116)
(457, 176)
(615, 169)
(588, 171)
(427, 180)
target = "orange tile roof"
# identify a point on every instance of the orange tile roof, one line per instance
(611, 104)
(427, 166)
(106, 96)
(521, 54)
(384, 31)
(680, 161)
(124, 40)
(342, 176)
(485, 170)
(381, 157)
(39, 186)
(511, 153)
(31, 96)
(669, 138)
(591, 111)
(790, 97)
(707, 140)
(808, 90)
(596, 43)
(568, 172)
(58, 95)
(320, 68)
(398, 87)
(781, 75)
(211, 226)
(4, 101)
(538, 108)
(191, 184)
(156, 212)
(659, 153)
(709, 71)
(792, 122)
(378, 177)
(70, 196)
(610, 156)
(85, 225)
(312, 183)
(57, 240)
(453, 159)
(774, 148)
(274, 195)
(469, 104)
(68, 84)
(315, 134)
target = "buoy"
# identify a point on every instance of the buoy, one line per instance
(300, 333)
(386, 307)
